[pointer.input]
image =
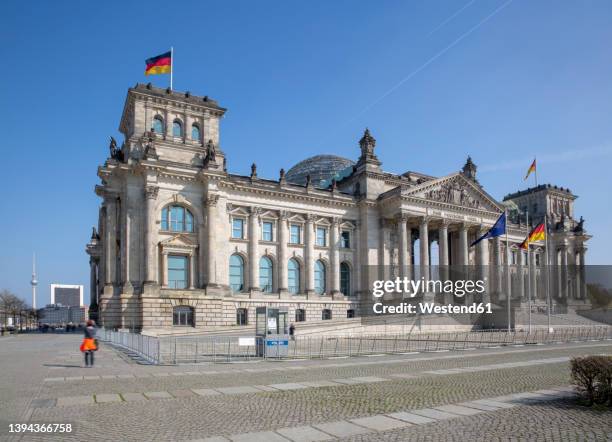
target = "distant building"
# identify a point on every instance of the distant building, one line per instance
(55, 314)
(67, 295)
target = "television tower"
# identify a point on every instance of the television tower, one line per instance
(34, 281)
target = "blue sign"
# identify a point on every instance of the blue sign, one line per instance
(273, 342)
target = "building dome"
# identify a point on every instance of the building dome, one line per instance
(321, 168)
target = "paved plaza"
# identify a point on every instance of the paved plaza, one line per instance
(488, 394)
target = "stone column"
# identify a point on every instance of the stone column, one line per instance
(253, 255)
(93, 283)
(520, 272)
(482, 254)
(282, 252)
(402, 234)
(202, 261)
(192, 271)
(443, 269)
(110, 241)
(150, 248)
(168, 134)
(532, 269)
(498, 265)
(211, 216)
(309, 253)
(582, 289)
(564, 272)
(463, 246)
(334, 238)
(424, 247)
(165, 268)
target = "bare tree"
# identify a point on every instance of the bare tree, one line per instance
(12, 305)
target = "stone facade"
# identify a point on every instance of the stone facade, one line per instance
(168, 198)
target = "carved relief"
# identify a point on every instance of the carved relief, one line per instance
(453, 193)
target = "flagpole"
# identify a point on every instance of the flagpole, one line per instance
(172, 67)
(507, 271)
(536, 171)
(547, 270)
(528, 272)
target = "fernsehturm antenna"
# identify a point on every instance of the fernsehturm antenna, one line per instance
(34, 281)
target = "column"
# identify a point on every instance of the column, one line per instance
(443, 251)
(498, 264)
(564, 272)
(202, 254)
(334, 238)
(582, 273)
(165, 268)
(402, 234)
(463, 246)
(192, 271)
(520, 272)
(309, 253)
(211, 216)
(110, 241)
(424, 247)
(93, 283)
(282, 252)
(150, 248)
(253, 255)
(168, 133)
(482, 258)
(534, 288)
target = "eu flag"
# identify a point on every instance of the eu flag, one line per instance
(498, 229)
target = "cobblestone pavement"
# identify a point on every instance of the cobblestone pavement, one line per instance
(161, 403)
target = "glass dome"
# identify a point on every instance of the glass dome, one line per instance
(321, 168)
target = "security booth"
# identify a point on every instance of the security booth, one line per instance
(272, 331)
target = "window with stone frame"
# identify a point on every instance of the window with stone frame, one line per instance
(320, 276)
(158, 125)
(350, 313)
(182, 315)
(195, 132)
(326, 314)
(295, 234)
(345, 279)
(265, 274)
(345, 239)
(300, 315)
(267, 231)
(321, 236)
(293, 276)
(177, 128)
(176, 218)
(178, 271)
(238, 228)
(236, 273)
(242, 316)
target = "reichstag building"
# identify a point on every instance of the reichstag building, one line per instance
(181, 242)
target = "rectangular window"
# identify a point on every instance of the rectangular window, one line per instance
(514, 257)
(238, 228)
(266, 231)
(326, 314)
(177, 272)
(300, 315)
(242, 316)
(295, 234)
(321, 236)
(350, 313)
(537, 259)
(345, 239)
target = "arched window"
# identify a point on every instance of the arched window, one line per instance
(158, 125)
(177, 129)
(183, 315)
(345, 279)
(177, 219)
(265, 274)
(319, 277)
(293, 276)
(195, 132)
(236, 273)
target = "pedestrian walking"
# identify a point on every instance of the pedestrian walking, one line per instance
(89, 344)
(292, 332)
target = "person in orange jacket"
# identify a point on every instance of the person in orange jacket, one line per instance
(88, 346)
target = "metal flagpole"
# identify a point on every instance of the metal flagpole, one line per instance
(548, 301)
(507, 270)
(535, 172)
(528, 271)
(172, 67)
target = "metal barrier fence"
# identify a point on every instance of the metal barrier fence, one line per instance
(193, 349)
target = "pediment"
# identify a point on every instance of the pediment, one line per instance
(457, 190)
(180, 241)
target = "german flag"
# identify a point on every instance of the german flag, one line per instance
(162, 64)
(531, 169)
(537, 234)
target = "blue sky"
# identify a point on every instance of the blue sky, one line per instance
(434, 81)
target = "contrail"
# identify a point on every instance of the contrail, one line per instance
(430, 61)
(441, 25)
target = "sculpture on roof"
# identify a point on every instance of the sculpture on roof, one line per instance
(116, 154)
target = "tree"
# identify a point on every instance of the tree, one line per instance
(12, 305)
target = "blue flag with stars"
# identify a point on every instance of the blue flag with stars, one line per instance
(498, 229)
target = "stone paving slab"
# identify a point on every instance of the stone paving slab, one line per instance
(107, 397)
(75, 400)
(368, 379)
(133, 397)
(493, 403)
(265, 388)
(433, 413)
(458, 409)
(288, 386)
(54, 379)
(43, 403)
(212, 439)
(347, 381)
(264, 436)
(341, 428)
(238, 390)
(411, 418)
(380, 423)
(320, 384)
(206, 392)
(181, 393)
(158, 395)
(304, 434)
(480, 406)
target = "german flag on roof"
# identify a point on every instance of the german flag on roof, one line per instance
(537, 234)
(161, 64)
